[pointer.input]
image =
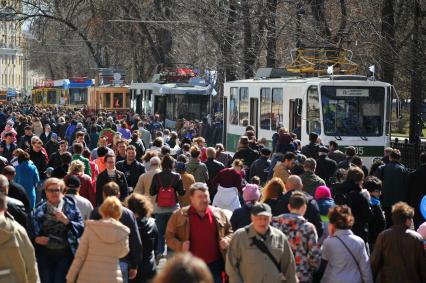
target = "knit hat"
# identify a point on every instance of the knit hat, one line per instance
(322, 192)
(251, 192)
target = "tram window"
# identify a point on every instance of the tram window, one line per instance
(107, 100)
(233, 106)
(51, 97)
(277, 108)
(118, 100)
(313, 122)
(244, 106)
(265, 108)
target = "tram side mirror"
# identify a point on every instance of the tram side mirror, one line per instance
(299, 107)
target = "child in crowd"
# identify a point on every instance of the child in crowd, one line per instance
(374, 187)
(325, 202)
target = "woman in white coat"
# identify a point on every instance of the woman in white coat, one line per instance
(102, 244)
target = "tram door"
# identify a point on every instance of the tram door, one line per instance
(254, 113)
(295, 116)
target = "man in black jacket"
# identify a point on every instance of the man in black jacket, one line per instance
(326, 167)
(108, 175)
(131, 168)
(15, 208)
(260, 167)
(7, 146)
(245, 153)
(213, 168)
(312, 212)
(25, 140)
(16, 191)
(130, 262)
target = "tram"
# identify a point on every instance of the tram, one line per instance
(350, 109)
(50, 93)
(109, 97)
(174, 94)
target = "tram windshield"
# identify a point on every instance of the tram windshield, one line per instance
(78, 95)
(353, 111)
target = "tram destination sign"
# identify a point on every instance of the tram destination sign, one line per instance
(352, 92)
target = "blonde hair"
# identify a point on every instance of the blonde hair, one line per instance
(54, 181)
(75, 167)
(111, 208)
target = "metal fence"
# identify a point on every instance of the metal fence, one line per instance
(410, 152)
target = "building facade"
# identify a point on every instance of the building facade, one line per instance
(13, 65)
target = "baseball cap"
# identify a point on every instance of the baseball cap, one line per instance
(72, 182)
(261, 209)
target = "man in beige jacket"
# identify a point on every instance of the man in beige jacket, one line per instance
(17, 258)
(282, 170)
(247, 263)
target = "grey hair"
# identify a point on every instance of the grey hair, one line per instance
(198, 186)
(294, 182)
(156, 159)
(310, 164)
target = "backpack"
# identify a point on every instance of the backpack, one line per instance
(166, 195)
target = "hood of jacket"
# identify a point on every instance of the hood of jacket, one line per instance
(8, 231)
(108, 231)
(324, 204)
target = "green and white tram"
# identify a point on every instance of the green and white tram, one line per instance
(352, 110)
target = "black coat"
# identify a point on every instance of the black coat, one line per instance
(18, 192)
(247, 154)
(213, 168)
(149, 235)
(350, 194)
(326, 168)
(260, 168)
(40, 161)
(45, 138)
(167, 178)
(416, 191)
(8, 153)
(119, 178)
(312, 212)
(241, 217)
(16, 211)
(131, 172)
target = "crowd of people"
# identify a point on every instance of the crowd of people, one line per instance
(103, 197)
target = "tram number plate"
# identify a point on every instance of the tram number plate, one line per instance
(359, 150)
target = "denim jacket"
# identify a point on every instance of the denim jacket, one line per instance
(75, 227)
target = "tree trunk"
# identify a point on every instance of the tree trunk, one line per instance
(417, 59)
(226, 46)
(271, 46)
(388, 46)
(249, 56)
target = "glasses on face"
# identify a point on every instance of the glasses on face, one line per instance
(53, 191)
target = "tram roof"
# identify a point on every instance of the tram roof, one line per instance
(345, 79)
